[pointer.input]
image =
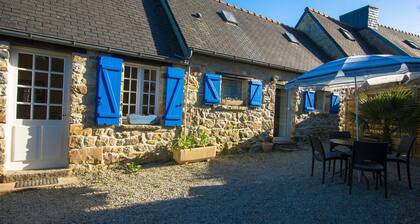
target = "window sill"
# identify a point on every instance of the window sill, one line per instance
(141, 127)
(231, 108)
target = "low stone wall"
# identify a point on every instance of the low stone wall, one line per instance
(4, 62)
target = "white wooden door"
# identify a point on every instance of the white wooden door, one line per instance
(37, 124)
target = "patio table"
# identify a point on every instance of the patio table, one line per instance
(348, 143)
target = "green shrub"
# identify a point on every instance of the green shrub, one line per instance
(192, 140)
(133, 167)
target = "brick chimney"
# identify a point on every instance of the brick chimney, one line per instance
(365, 17)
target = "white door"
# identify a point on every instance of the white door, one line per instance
(37, 126)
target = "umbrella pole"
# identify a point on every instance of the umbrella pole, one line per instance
(356, 92)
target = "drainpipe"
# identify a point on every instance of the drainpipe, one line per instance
(190, 54)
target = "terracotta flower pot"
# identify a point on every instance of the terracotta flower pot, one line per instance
(267, 146)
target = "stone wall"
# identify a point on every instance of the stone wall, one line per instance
(319, 123)
(4, 62)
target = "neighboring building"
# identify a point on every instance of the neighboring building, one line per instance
(73, 73)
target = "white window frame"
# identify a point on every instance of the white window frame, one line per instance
(140, 87)
(326, 101)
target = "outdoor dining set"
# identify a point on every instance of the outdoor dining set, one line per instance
(365, 156)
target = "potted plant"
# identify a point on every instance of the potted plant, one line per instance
(268, 145)
(193, 147)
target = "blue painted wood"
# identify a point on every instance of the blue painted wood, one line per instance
(309, 102)
(142, 119)
(255, 93)
(174, 97)
(212, 84)
(335, 104)
(108, 90)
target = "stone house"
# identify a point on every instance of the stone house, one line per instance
(99, 82)
(355, 33)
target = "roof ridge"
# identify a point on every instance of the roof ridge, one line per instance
(398, 30)
(252, 13)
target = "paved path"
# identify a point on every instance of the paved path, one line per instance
(248, 188)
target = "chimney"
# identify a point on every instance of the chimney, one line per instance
(366, 17)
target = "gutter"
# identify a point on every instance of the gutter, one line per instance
(71, 43)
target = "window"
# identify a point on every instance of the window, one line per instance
(39, 87)
(346, 34)
(140, 90)
(228, 17)
(412, 44)
(291, 37)
(322, 101)
(232, 91)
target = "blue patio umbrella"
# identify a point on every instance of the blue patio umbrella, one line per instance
(356, 70)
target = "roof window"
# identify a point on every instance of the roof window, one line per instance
(291, 37)
(412, 44)
(228, 17)
(346, 34)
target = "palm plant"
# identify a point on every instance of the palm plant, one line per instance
(393, 110)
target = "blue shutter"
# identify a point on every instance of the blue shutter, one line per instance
(174, 97)
(108, 90)
(309, 101)
(255, 93)
(211, 89)
(335, 104)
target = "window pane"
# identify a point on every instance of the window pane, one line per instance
(127, 72)
(146, 74)
(41, 63)
(134, 73)
(56, 96)
(57, 65)
(41, 79)
(56, 81)
(152, 100)
(151, 110)
(153, 75)
(25, 61)
(146, 87)
(126, 84)
(145, 112)
(40, 96)
(133, 85)
(133, 98)
(40, 113)
(24, 78)
(125, 110)
(145, 99)
(55, 113)
(23, 112)
(24, 95)
(232, 89)
(125, 97)
(132, 109)
(152, 87)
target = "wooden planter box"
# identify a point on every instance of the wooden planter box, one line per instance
(194, 154)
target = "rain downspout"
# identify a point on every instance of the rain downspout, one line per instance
(190, 54)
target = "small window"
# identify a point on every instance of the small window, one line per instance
(229, 17)
(232, 92)
(322, 101)
(291, 37)
(140, 91)
(347, 34)
(412, 44)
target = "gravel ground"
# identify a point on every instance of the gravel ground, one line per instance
(247, 188)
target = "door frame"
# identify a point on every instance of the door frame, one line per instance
(11, 92)
(286, 137)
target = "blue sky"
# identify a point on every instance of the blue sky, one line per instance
(401, 14)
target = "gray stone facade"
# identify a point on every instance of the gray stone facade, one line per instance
(4, 63)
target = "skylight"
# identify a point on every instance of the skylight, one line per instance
(229, 17)
(291, 37)
(412, 44)
(346, 34)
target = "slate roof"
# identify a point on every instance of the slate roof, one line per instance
(255, 37)
(397, 37)
(138, 26)
(332, 26)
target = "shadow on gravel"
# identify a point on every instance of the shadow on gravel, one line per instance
(262, 188)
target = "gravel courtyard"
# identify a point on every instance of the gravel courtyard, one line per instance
(248, 188)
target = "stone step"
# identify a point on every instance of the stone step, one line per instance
(26, 175)
(14, 186)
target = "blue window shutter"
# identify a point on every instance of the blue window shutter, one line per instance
(211, 89)
(174, 97)
(309, 101)
(108, 90)
(255, 93)
(335, 104)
